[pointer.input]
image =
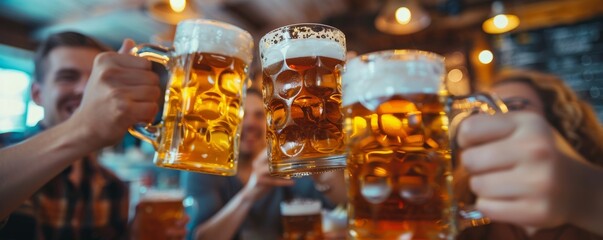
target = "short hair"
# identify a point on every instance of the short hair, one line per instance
(62, 39)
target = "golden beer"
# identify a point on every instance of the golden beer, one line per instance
(302, 220)
(157, 212)
(397, 168)
(399, 160)
(398, 117)
(302, 95)
(206, 103)
(203, 112)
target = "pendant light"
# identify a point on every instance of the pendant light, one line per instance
(500, 22)
(399, 17)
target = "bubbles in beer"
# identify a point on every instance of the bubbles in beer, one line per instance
(288, 84)
(291, 140)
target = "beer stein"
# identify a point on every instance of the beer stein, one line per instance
(301, 66)
(157, 211)
(398, 120)
(202, 113)
(302, 219)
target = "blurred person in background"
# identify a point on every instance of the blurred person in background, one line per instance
(536, 171)
(51, 184)
(247, 206)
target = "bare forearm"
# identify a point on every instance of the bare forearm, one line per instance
(27, 166)
(227, 221)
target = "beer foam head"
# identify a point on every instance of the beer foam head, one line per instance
(299, 207)
(302, 40)
(209, 36)
(155, 195)
(381, 75)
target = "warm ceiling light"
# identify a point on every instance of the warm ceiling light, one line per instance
(485, 56)
(171, 11)
(178, 5)
(403, 15)
(455, 75)
(400, 17)
(500, 22)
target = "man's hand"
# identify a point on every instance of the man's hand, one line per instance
(122, 90)
(260, 181)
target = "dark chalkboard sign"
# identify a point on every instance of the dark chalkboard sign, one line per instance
(574, 52)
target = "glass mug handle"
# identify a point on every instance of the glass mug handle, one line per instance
(148, 131)
(461, 108)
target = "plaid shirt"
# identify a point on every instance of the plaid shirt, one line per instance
(97, 209)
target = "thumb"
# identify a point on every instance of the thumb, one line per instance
(126, 46)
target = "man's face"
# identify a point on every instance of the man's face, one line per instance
(65, 75)
(253, 136)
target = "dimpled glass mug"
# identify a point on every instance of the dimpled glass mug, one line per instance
(399, 167)
(301, 66)
(203, 109)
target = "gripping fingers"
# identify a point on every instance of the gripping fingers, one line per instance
(135, 77)
(490, 157)
(480, 129)
(142, 93)
(521, 212)
(126, 46)
(143, 111)
(489, 185)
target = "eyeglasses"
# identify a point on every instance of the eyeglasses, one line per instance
(516, 103)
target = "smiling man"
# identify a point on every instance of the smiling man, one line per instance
(83, 200)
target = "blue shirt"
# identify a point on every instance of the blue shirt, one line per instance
(263, 221)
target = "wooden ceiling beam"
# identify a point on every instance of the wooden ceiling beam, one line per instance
(552, 13)
(16, 34)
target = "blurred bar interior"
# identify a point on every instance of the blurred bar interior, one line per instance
(478, 38)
